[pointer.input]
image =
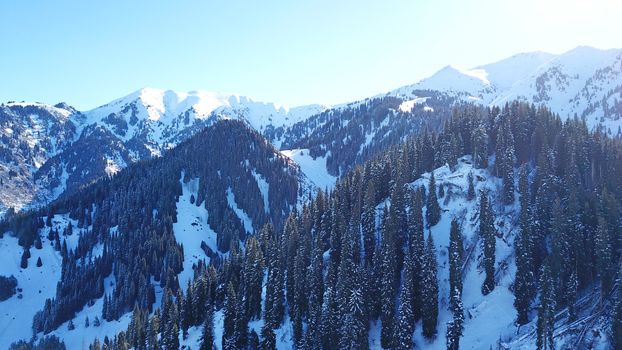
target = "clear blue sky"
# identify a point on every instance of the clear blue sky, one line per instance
(287, 51)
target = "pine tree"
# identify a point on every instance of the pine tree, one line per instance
(455, 262)
(546, 310)
(487, 234)
(39, 262)
(430, 289)
(433, 212)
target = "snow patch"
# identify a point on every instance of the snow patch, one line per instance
(314, 169)
(191, 229)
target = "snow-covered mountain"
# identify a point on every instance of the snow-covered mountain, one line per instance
(584, 81)
(47, 149)
(30, 134)
(162, 118)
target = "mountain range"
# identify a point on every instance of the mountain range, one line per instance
(170, 201)
(48, 149)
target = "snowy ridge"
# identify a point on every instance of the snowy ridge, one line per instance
(575, 82)
(163, 114)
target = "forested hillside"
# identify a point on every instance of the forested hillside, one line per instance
(123, 227)
(502, 230)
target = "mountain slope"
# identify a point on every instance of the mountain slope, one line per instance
(48, 150)
(584, 81)
(177, 212)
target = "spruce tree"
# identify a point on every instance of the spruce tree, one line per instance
(433, 210)
(207, 337)
(455, 262)
(405, 322)
(480, 146)
(170, 323)
(487, 234)
(430, 289)
(389, 280)
(417, 242)
(230, 317)
(471, 188)
(268, 338)
(455, 327)
(315, 292)
(524, 283)
(603, 256)
(368, 223)
(546, 310)
(616, 325)
(25, 257)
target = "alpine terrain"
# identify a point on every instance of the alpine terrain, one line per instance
(475, 209)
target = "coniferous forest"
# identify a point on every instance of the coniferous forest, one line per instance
(358, 258)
